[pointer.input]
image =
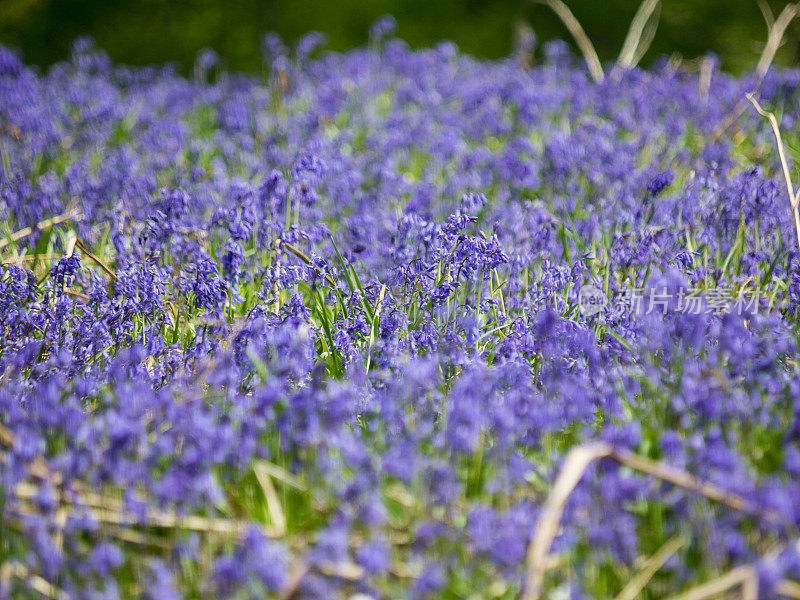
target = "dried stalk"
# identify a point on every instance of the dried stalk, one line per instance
(687, 481)
(111, 510)
(648, 36)
(96, 260)
(104, 509)
(744, 576)
(16, 570)
(273, 501)
(766, 12)
(575, 465)
(41, 225)
(650, 568)
(579, 35)
(774, 39)
(790, 589)
(633, 41)
(299, 254)
(794, 197)
(30, 258)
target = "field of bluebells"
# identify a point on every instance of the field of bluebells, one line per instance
(319, 332)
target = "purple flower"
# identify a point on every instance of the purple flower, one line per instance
(658, 183)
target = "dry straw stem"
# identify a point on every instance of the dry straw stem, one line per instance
(636, 43)
(790, 589)
(30, 258)
(281, 475)
(299, 254)
(339, 570)
(766, 12)
(16, 570)
(776, 32)
(650, 568)
(704, 81)
(744, 576)
(76, 294)
(774, 39)
(648, 36)
(577, 461)
(687, 481)
(297, 571)
(273, 501)
(37, 467)
(96, 260)
(580, 37)
(105, 509)
(640, 35)
(794, 197)
(40, 226)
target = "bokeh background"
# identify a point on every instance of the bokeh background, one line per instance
(157, 31)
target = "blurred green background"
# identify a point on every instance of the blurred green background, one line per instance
(155, 31)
